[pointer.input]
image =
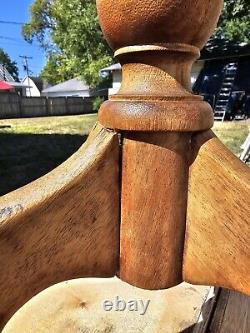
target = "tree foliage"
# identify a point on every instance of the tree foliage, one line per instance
(10, 65)
(234, 22)
(70, 34)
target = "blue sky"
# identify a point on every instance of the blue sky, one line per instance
(18, 11)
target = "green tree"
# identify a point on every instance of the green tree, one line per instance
(70, 33)
(234, 23)
(10, 65)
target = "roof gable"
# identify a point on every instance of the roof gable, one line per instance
(75, 84)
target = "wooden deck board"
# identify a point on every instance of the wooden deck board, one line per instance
(231, 313)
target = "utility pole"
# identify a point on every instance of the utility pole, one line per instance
(26, 68)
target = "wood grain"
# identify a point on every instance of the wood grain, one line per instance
(153, 208)
(158, 21)
(62, 226)
(217, 248)
(156, 42)
(155, 94)
(232, 313)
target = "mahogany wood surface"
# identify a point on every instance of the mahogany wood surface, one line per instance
(62, 226)
(67, 224)
(217, 249)
(157, 42)
(154, 175)
(155, 94)
(145, 22)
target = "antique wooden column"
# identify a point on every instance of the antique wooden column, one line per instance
(152, 196)
(156, 113)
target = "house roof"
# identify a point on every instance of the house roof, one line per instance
(218, 48)
(5, 75)
(114, 67)
(18, 84)
(5, 86)
(75, 84)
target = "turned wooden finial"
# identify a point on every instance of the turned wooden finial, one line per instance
(138, 22)
(157, 43)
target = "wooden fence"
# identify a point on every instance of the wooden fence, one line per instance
(15, 106)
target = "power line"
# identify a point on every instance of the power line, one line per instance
(12, 22)
(12, 39)
(4, 44)
(18, 41)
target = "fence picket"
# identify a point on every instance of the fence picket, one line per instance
(15, 106)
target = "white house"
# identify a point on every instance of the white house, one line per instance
(74, 87)
(34, 86)
(116, 72)
(196, 69)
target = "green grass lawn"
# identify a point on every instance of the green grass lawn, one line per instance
(32, 147)
(73, 125)
(232, 134)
